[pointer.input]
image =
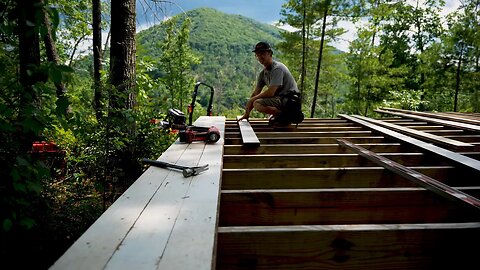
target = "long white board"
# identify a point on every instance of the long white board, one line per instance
(163, 221)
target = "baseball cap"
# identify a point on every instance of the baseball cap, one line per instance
(262, 46)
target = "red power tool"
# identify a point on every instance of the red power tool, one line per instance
(188, 133)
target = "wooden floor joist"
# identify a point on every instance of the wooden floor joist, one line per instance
(437, 115)
(420, 179)
(465, 161)
(309, 207)
(449, 123)
(298, 200)
(336, 177)
(349, 247)
(436, 139)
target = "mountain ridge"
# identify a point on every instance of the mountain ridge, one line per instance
(224, 42)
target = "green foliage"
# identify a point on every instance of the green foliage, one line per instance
(224, 44)
(175, 62)
(399, 59)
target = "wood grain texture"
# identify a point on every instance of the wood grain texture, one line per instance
(249, 138)
(424, 135)
(338, 177)
(163, 221)
(339, 206)
(349, 247)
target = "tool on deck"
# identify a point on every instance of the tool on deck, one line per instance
(188, 133)
(186, 170)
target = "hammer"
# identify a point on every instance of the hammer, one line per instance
(186, 170)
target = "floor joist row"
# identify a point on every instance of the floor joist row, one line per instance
(300, 200)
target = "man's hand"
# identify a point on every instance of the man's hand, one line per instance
(245, 116)
(248, 109)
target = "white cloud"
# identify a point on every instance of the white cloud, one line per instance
(344, 41)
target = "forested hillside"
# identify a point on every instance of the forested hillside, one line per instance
(96, 106)
(223, 43)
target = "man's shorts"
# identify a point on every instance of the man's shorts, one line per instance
(276, 101)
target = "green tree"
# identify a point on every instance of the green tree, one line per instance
(408, 30)
(314, 34)
(176, 61)
(374, 78)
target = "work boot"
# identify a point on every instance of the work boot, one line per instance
(297, 117)
(279, 120)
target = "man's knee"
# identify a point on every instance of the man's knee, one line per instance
(258, 105)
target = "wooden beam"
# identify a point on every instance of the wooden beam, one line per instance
(310, 128)
(301, 134)
(448, 123)
(422, 127)
(349, 247)
(453, 144)
(418, 178)
(457, 158)
(338, 177)
(304, 140)
(322, 160)
(248, 135)
(437, 115)
(339, 206)
(310, 148)
(465, 138)
(314, 134)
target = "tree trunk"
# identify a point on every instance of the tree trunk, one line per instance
(122, 97)
(29, 54)
(457, 80)
(53, 57)
(302, 81)
(317, 78)
(122, 54)
(97, 57)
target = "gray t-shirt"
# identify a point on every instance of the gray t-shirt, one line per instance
(278, 75)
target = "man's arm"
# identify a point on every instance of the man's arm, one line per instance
(270, 92)
(249, 106)
(257, 93)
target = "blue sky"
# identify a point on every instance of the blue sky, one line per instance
(267, 11)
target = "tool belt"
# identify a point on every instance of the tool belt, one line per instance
(292, 102)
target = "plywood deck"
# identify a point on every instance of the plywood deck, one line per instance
(163, 221)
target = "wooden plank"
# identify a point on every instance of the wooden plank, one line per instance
(465, 138)
(314, 134)
(310, 128)
(339, 206)
(349, 247)
(437, 115)
(248, 135)
(343, 177)
(150, 232)
(457, 158)
(140, 228)
(95, 247)
(422, 127)
(310, 148)
(322, 160)
(448, 123)
(192, 241)
(305, 140)
(298, 134)
(418, 178)
(452, 144)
